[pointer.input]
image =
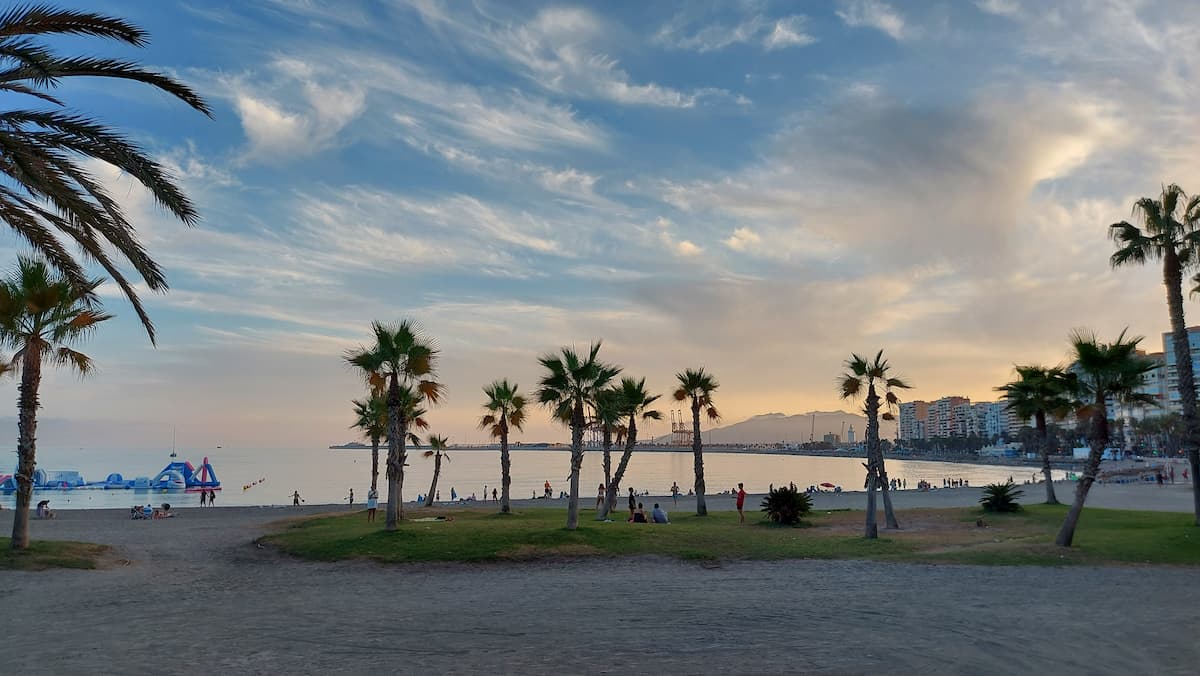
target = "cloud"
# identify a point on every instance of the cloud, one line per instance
(742, 239)
(681, 33)
(1008, 8)
(561, 50)
(874, 14)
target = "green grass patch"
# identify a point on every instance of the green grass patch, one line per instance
(928, 535)
(43, 554)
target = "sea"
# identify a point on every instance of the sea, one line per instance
(261, 477)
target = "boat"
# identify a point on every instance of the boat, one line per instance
(351, 446)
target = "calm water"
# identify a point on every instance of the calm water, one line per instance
(326, 476)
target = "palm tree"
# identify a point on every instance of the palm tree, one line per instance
(437, 451)
(1169, 233)
(505, 411)
(698, 386)
(608, 420)
(1039, 390)
(402, 361)
(371, 418)
(50, 195)
(635, 403)
(43, 315)
(874, 375)
(1106, 371)
(569, 390)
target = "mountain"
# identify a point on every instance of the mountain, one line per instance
(772, 428)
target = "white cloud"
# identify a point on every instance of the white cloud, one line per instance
(874, 14)
(742, 238)
(1008, 8)
(679, 33)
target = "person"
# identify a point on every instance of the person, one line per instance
(296, 498)
(600, 496)
(658, 515)
(1172, 473)
(148, 511)
(632, 503)
(212, 498)
(203, 498)
(741, 502)
(1158, 478)
(439, 495)
(453, 495)
(43, 510)
(639, 514)
(675, 492)
(350, 500)
(372, 504)
(546, 488)
(495, 495)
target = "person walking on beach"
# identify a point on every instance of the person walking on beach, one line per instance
(372, 504)
(351, 498)
(600, 496)
(547, 489)
(296, 498)
(675, 492)
(495, 496)
(212, 498)
(203, 498)
(741, 502)
(632, 503)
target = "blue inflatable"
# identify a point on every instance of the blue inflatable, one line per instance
(176, 476)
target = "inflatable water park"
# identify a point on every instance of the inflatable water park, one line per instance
(176, 476)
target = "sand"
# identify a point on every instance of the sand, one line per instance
(195, 595)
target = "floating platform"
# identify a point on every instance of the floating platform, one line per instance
(176, 476)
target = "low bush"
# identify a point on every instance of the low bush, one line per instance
(1001, 497)
(786, 506)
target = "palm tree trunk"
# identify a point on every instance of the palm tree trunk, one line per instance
(1044, 446)
(698, 452)
(889, 515)
(437, 469)
(614, 484)
(1186, 379)
(394, 463)
(27, 404)
(1099, 439)
(505, 467)
(607, 462)
(872, 410)
(374, 462)
(576, 464)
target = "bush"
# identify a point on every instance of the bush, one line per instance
(1001, 497)
(786, 506)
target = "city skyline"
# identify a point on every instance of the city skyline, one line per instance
(753, 187)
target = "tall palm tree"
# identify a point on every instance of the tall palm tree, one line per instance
(505, 411)
(43, 316)
(370, 417)
(50, 196)
(437, 451)
(402, 361)
(1106, 371)
(698, 386)
(635, 402)
(608, 420)
(1169, 232)
(569, 389)
(1038, 391)
(871, 376)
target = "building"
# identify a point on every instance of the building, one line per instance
(850, 435)
(988, 419)
(1172, 379)
(949, 417)
(914, 417)
(831, 439)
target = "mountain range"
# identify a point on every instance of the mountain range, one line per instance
(770, 428)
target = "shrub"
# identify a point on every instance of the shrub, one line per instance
(786, 506)
(1001, 497)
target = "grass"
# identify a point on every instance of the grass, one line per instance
(43, 554)
(929, 535)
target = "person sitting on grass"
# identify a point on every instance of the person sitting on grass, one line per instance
(658, 515)
(639, 514)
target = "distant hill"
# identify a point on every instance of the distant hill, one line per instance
(772, 428)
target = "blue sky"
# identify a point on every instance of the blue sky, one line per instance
(759, 187)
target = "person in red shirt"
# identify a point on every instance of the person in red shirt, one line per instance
(741, 502)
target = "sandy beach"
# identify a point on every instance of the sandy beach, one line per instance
(196, 595)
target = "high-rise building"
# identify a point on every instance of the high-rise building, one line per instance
(988, 418)
(914, 418)
(949, 417)
(850, 434)
(1172, 379)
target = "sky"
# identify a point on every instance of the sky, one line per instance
(756, 187)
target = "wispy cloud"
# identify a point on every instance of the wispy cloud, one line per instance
(875, 14)
(683, 33)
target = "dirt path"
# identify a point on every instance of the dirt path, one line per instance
(198, 597)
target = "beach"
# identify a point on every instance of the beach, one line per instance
(196, 594)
